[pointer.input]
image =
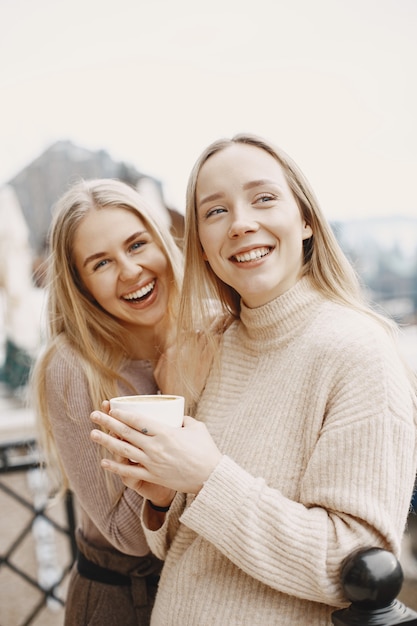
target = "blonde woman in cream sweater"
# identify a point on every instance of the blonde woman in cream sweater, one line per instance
(303, 445)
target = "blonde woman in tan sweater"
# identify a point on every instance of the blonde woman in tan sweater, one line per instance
(303, 447)
(114, 282)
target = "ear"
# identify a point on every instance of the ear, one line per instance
(307, 231)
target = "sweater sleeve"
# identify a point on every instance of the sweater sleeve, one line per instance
(69, 408)
(355, 491)
(160, 540)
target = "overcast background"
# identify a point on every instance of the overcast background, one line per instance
(333, 82)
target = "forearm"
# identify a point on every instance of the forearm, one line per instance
(297, 547)
(114, 510)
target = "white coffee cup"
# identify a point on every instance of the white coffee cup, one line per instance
(162, 408)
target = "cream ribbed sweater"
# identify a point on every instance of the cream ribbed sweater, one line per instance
(315, 418)
(100, 522)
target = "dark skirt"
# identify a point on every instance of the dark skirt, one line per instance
(109, 588)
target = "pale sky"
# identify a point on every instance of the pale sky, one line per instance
(332, 82)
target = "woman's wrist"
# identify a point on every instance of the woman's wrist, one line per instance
(162, 502)
(160, 509)
(154, 515)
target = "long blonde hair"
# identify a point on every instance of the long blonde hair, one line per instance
(100, 341)
(324, 262)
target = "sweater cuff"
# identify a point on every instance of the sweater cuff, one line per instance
(222, 496)
(157, 540)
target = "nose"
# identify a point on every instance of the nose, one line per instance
(129, 269)
(241, 224)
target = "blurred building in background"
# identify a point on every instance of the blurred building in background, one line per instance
(384, 253)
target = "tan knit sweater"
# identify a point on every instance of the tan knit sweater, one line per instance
(100, 522)
(315, 418)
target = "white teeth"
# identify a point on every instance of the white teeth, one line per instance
(252, 255)
(140, 292)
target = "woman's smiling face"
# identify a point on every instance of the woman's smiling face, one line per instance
(250, 225)
(122, 267)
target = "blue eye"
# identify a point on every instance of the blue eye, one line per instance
(137, 245)
(215, 211)
(265, 198)
(100, 264)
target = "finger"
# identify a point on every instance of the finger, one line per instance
(111, 424)
(116, 420)
(104, 420)
(120, 459)
(117, 447)
(105, 406)
(137, 422)
(133, 473)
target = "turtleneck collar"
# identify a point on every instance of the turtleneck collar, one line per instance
(278, 320)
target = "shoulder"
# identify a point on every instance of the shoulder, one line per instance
(355, 345)
(65, 364)
(344, 328)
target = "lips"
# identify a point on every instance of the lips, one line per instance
(251, 255)
(140, 293)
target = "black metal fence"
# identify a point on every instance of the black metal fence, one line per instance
(29, 517)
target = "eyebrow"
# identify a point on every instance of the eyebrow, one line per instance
(250, 185)
(257, 183)
(210, 198)
(99, 255)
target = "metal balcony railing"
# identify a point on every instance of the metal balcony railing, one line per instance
(35, 523)
(372, 579)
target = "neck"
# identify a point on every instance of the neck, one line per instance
(149, 343)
